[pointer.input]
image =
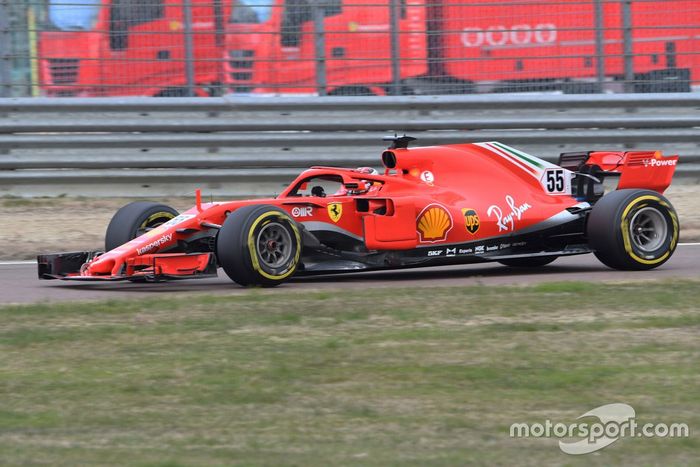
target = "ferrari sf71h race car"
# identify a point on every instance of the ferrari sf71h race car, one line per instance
(438, 205)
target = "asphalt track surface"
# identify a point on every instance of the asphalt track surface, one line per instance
(19, 283)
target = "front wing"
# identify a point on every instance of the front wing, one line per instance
(147, 268)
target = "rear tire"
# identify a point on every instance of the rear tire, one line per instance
(134, 220)
(633, 229)
(259, 245)
(533, 262)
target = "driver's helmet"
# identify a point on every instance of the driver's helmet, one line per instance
(366, 170)
(367, 183)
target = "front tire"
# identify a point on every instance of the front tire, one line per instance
(134, 220)
(633, 229)
(259, 245)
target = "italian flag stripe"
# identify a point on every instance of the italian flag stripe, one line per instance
(531, 159)
(517, 161)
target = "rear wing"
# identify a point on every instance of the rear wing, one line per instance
(637, 169)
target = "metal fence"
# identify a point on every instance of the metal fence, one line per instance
(346, 47)
(254, 146)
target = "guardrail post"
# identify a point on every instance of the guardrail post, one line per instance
(599, 45)
(394, 14)
(320, 48)
(220, 26)
(189, 47)
(5, 61)
(627, 45)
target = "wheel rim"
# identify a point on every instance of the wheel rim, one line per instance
(648, 229)
(153, 221)
(274, 245)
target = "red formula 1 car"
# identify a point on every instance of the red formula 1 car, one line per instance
(454, 204)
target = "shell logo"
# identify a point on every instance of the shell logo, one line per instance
(433, 223)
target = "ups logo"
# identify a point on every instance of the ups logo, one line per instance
(471, 220)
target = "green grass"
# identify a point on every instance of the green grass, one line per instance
(379, 377)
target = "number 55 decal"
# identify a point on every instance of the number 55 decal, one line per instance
(556, 181)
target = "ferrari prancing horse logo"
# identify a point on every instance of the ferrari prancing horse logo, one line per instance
(335, 211)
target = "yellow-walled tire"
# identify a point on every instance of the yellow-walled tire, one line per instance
(633, 229)
(259, 245)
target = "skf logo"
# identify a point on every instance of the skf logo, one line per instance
(335, 211)
(471, 220)
(433, 223)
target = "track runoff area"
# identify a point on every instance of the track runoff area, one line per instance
(19, 284)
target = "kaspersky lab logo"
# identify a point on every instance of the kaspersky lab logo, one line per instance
(607, 424)
(155, 244)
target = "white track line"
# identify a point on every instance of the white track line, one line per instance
(24, 263)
